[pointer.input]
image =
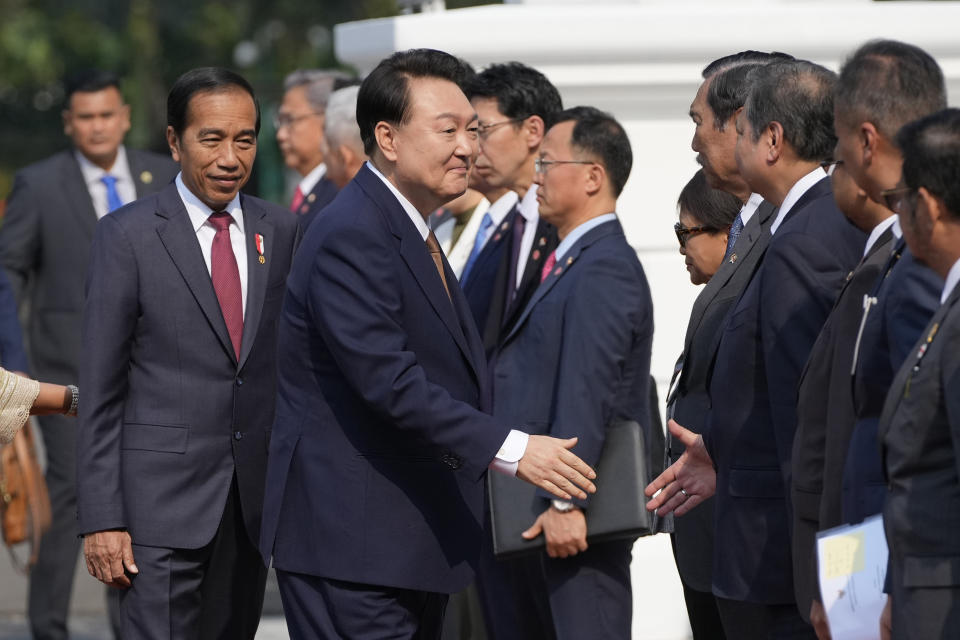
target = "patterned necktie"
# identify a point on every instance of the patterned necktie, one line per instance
(113, 198)
(548, 265)
(434, 247)
(226, 278)
(478, 244)
(297, 200)
(735, 230)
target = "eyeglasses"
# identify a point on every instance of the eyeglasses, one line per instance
(830, 166)
(894, 198)
(541, 166)
(483, 130)
(683, 233)
(282, 120)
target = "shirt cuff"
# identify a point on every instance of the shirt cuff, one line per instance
(508, 457)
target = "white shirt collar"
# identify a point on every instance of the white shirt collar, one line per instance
(529, 207)
(877, 232)
(310, 180)
(750, 207)
(199, 212)
(580, 231)
(92, 173)
(953, 277)
(796, 192)
(897, 231)
(412, 212)
(501, 207)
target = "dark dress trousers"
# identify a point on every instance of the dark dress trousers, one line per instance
(920, 442)
(577, 358)
(690, 406)
(904, 302)
(174, 426)
(319, 197)
(764, 345)
(825, 406)
(379, 448)
(44, 245)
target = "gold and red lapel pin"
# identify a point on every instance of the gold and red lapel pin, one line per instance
(258, 240)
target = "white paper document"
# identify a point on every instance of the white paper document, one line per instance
(852, 562)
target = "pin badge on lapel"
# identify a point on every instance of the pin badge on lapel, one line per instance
(258, 240)
(146, 177)
(503, 227)
(543, 241)
(733, 258)
(311, 197)
(536, 254)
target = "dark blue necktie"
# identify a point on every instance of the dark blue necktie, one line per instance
(113, 198)
(735, 230)
(478, 243)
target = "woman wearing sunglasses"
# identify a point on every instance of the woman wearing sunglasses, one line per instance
(705, 218)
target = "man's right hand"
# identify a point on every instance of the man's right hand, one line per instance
(107, 554)
(549, 464)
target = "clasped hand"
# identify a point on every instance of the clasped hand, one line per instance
(565, 532)
(549, 464)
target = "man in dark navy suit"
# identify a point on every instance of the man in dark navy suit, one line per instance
(516, 105)
(920, 424)
(299, 126)
(714, 111)
(379, 449)
(577, 359)
(784, 132)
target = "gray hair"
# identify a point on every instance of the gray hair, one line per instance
(340, 126)
(318, 83)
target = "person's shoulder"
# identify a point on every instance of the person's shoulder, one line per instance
(48, 169)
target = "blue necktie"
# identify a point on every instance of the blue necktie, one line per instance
(113, 198)
(485, 224)
(735, 230)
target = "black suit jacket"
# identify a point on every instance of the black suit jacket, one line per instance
(319, 197)
(44, 245)
(902, 304)
(481, 284)
(689, 404)
(170, 413)
(765, 342)
(825, 406)
(920, 442)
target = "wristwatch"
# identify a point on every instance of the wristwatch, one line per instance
(562, 505)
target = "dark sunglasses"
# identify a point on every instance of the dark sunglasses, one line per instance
(894, 198)
(685, 232)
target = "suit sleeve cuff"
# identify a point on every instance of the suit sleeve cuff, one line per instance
(508, 457)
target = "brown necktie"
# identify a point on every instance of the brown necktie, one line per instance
(434, 247)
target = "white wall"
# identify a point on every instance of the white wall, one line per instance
(641, 60)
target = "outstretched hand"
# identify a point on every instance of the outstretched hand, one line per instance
(549, 464)
(688, 481)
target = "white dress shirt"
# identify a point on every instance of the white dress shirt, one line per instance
(199, 217)
(515, 444)
(796, 192)
(953, 277)
(530, 210)
(750, 207)
(310, 180)
(877, 232)
(120, 170)
(498, 211)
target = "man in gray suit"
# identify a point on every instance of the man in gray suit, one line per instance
(713, 111)
(179, 378)
(44, 242)
(920, 424)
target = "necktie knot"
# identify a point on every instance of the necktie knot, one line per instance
(109, 180)
(114, 201)
(220, 220)
(433, 245)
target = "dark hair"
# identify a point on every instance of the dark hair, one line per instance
(889, 83)
(385, 96)
(799, 95)
(520, 91)
(713, 208)
(931, 156)
(730, 84)
(600, 135)
(89, 81)
(204, 79)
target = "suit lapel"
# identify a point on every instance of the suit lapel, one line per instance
(255, 223)
(142, 177)
(414, 252)
(178, 237)
(77, 196)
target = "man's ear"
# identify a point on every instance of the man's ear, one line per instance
(534, 129)
(174, 143)
(596, 179)
(869, 140)
(773, 138)
(386, 136)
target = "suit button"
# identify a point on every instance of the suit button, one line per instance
(237, 436)
(239, 381)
